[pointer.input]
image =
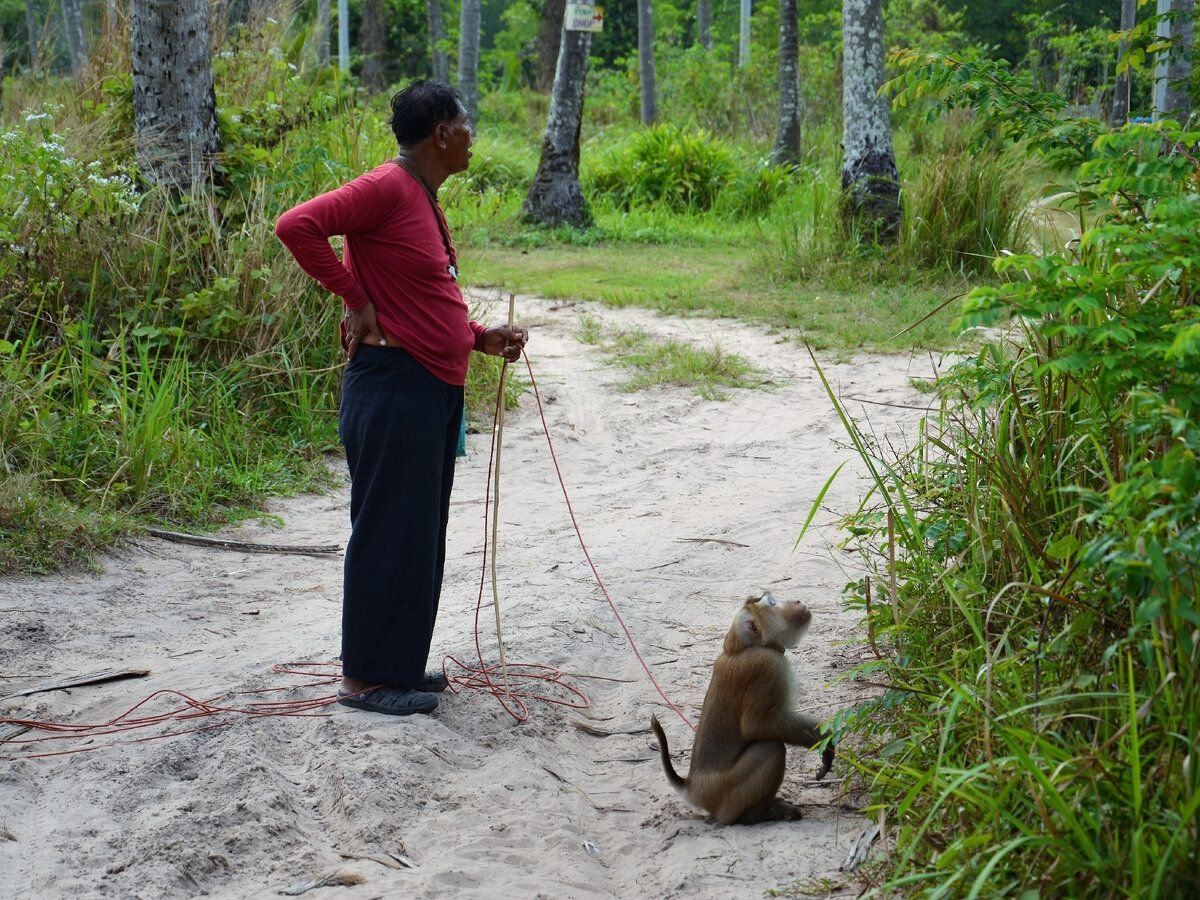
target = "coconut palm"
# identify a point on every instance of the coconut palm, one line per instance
(174, 107)
(870, 181)
(555, 197)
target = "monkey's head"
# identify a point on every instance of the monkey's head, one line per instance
(767, 622)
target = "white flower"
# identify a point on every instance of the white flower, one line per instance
(33, 118)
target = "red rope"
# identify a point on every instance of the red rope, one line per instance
(583, 546)
(190, 709)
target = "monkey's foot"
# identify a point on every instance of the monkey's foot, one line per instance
(785, 810)
(773, 810)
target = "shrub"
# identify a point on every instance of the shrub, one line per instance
(664, 164)
(753, 190)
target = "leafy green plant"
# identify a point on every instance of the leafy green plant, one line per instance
(664, 164)
(1032, 563)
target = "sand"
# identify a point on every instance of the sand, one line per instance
(686, 506)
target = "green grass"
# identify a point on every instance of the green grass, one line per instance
(655, 362)
(724, 281)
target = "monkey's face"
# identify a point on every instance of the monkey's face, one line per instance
(765, 621)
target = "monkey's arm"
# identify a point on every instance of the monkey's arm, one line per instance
(762, 723)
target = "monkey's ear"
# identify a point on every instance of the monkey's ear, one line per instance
(751, 633)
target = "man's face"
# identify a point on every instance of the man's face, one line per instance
(458, 138)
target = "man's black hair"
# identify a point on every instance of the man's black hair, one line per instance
(420, 107)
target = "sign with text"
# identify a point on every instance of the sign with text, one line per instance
(584, 17)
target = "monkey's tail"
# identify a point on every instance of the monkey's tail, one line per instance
(677, 782)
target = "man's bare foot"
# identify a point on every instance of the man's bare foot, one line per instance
(356, 685)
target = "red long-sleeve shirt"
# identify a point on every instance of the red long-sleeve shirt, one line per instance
(395, 257)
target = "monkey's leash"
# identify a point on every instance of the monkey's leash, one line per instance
(481, 678)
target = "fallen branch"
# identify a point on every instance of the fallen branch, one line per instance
(708, 540)
(601, 732)
(397, 863)
(79, 680)
(227, 544)
(341, 879)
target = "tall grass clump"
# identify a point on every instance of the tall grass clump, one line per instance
(1031, 574)
(963, 200)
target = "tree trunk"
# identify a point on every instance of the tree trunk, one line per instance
(322, 32)
(35, 55)
(344, 35)
(72, 13)
(870, 182)
(437, 34)
(744, 35)
(548, 40)
(787, 140)
(555, 197)
(468, 58)
(1120, 106)
(370, 39)
(704, 23)
(645, 17)
(174, 107)
(1174, 68)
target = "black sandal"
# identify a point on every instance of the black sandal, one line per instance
(391, 700)
(433, 681)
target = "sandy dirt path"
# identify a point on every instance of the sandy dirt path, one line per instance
(686, 506)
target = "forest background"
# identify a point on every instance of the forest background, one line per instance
(1029, 584)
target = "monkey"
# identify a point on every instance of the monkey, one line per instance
(747, 718)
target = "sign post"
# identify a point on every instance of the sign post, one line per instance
(583, 17)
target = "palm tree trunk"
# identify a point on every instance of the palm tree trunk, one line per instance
(35, 56)
(1173, 71)
(1120, 107)
(468, 58)
(174, 107)
(555, 197)
(870, 182)
(322, 32)
(72, 13)
(787, 139)
(645, 19)
(744, 35)
(440, 63)
(370, 39)
(704, 23)
(550, 31)
(344, 35)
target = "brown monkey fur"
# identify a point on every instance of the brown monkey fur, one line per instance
(748, 717)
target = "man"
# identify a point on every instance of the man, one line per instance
(407, 340)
